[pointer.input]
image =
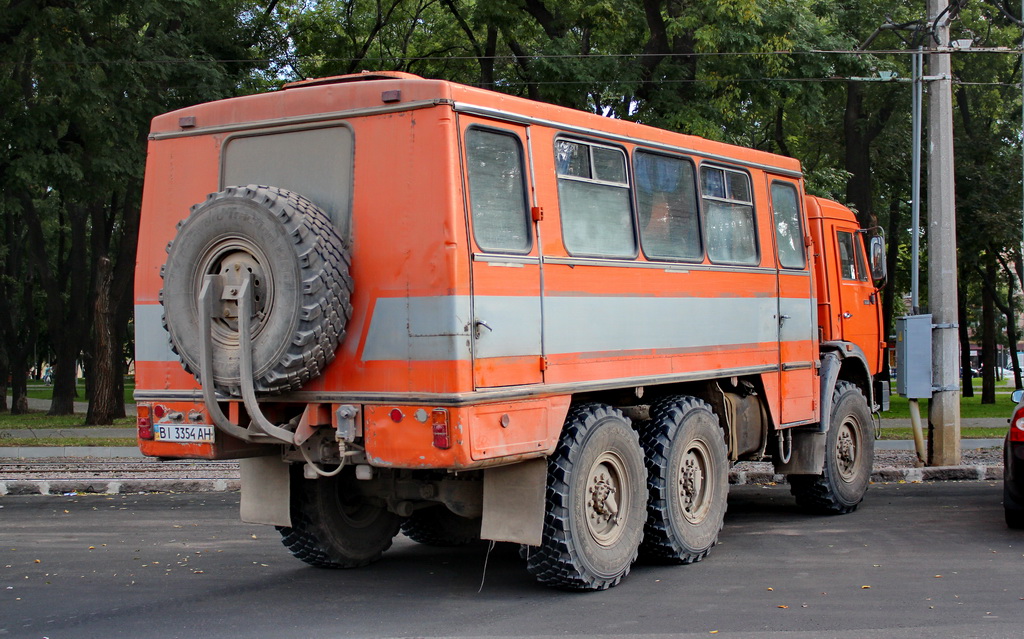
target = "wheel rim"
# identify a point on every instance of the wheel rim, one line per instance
(607, 498)
(353, 509)
(847, 450)
(695, 482)
(232, 259)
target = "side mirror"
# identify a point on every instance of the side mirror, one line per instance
(1017, 395)
(876, 250)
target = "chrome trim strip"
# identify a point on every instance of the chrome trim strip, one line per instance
(673, 267)
(797, 366)
(299, 119)
(496, 258)
(490, 395)
(506, 116)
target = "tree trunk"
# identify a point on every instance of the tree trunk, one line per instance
(965, 342)
(5, 371)
(857, 155)
(105, 368)
(988, 334)
(19, 385)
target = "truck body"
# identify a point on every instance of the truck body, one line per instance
(408, 304)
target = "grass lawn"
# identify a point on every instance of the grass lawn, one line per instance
(39, 419)
(970, 407)
(38, 390)
(965, 433)
(67, 441)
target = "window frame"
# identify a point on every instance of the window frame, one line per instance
(697, 204)
(628, 186)
(800, 223)
(526, 190)
(758, 256)
(860, 264)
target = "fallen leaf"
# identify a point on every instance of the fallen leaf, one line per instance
(864, 587)
(771, 589)
(783, 606)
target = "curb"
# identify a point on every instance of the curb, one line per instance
(116, 486)
(888, 475)
(172, 485)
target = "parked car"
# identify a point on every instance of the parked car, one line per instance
(1013, 466)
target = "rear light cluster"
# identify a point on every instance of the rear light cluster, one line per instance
(146, 415)
(439, 428)
(1017, 425)
(143, 420)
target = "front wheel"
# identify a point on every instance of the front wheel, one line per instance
(849, 454)
(596, 499)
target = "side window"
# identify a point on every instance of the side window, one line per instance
(788, 230)
(729, 216)
(666, 199)
(497, 192)
(593, 196)
(851, 260)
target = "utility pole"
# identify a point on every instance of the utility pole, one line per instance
(944, 407)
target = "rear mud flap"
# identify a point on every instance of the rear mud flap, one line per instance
(514, 502)
(265, 491)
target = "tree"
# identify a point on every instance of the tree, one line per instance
(81, 86)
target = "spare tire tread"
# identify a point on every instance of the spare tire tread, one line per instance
(323, 262)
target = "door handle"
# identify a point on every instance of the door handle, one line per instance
(477, 324)
(847, 315)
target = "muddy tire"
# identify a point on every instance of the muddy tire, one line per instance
(849, 455)
(300, 279)
(595, 502)
(438, 526)
(687, 480)
(334, 526)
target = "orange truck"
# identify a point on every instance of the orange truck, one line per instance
(408, 305)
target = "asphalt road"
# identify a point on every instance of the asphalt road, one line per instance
(915, 560)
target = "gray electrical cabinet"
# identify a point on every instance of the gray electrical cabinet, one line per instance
(914, 356)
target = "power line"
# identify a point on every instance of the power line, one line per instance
(513, 58)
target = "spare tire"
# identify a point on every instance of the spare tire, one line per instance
(300, 282)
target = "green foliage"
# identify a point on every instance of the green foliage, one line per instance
(79, 83)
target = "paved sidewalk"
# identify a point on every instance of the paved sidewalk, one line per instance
(742, 474)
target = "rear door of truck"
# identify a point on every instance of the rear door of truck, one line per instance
(505, 256)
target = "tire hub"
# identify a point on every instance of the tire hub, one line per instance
(846, 451)
(693, 472)
(234, 262)
(604, 485)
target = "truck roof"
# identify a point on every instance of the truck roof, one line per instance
(334, 97)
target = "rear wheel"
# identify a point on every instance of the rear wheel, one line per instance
(687, 478)
(849, 454)
(595, 503)
(438, 526)
(334, 526)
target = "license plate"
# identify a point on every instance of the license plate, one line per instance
(194, 433)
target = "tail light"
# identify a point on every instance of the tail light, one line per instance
(439, 427)
(144, 422)
(1017, 425)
